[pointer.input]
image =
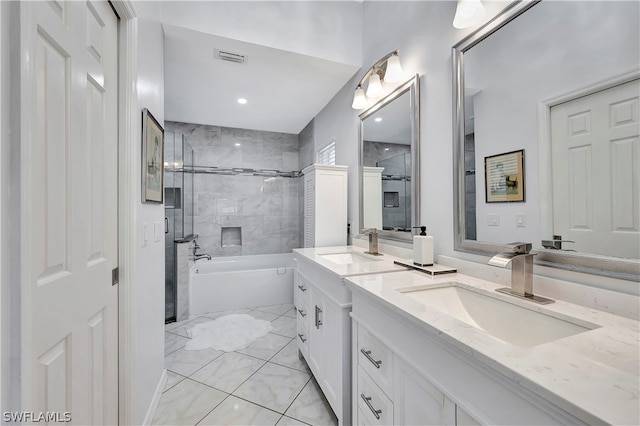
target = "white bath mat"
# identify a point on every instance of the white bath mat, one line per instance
(228, 333)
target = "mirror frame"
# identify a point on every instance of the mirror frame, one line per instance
(627, 269)
(413, 87)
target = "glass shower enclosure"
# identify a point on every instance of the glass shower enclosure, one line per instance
(178, 209)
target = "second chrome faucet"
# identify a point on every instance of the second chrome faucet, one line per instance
(373, 240)
(521, 271)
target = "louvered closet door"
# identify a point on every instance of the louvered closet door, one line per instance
(69, 209)
(596, 177)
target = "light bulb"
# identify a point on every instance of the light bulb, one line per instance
(374, 89)
(359, 100)
(468, 13)
(394, 73)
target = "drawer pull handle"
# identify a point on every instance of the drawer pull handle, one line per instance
(301, 312)
(302, 288)
(318, 320)
(366, 400)
(302, 337)
(368, 355)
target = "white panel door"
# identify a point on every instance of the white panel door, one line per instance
(69, 92)
(596, 177)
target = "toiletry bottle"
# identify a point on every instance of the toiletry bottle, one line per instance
(422, 248)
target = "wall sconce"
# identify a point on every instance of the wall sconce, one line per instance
(468, 13)
(387, 69)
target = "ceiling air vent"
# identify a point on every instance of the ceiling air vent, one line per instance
(230, 56)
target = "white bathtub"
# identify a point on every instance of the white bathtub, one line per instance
(237, 282)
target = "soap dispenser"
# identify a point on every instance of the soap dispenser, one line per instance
(422, 248)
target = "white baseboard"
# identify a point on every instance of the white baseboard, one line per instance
(156, 399)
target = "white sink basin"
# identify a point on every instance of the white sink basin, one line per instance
(348, 258)
(509, 322)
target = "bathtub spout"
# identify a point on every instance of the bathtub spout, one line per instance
(201, 256)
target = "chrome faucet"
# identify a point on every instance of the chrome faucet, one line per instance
(373, 240)
(521, 271)
(196, 255)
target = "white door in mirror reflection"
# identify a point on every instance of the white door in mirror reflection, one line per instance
(596, 177)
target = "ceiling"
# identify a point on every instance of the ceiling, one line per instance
(284, 90)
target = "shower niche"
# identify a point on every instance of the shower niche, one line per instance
(178, 209)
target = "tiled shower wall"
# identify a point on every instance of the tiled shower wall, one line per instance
(266, 209)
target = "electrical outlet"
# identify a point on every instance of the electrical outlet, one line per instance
(520, 220)
(493, 219)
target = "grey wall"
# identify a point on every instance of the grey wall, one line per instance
(266, 209)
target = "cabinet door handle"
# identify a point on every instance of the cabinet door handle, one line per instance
(318, 321)
(302, 337)
(302, 288)
(370, 358)
(366, 400)
(301, 312)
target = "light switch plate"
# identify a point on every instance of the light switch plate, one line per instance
(493, 219)
(145, 238)
(521, 220)
(157, 230)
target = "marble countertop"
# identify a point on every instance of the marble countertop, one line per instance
(377, 265)
(593, 375)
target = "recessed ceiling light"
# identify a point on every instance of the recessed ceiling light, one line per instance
(237, 144)
(242, 101)
(378, 119)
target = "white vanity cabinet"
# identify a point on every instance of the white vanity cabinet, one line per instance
(323, 304)
(387, 390)
(408, 375)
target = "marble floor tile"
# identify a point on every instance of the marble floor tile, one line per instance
(186, 403)
(288, 421)
(266, 347)
(173, 342)
(312, 407)
(288, 357)
(187, 362)
(228, 371)
(236, 411)
(276, 309)
(284, 326)
(291, 313)
(273, 386)
(262, 315)
(172, 380)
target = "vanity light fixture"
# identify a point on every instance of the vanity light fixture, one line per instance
(387, 69)
(468, 13)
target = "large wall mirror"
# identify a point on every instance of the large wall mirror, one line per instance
(546, 127)
(389, 163)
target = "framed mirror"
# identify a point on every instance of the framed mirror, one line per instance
(389, 163)
(536, 80)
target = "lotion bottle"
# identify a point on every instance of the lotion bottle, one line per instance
(422, 248)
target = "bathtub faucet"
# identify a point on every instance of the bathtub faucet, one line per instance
(196, 255)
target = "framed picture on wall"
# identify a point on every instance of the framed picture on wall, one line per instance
(504, 177)
(152, 159)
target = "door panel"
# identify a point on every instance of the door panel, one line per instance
(69, 93)
(596, 182)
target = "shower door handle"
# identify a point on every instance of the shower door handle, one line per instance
(166, 225)
(318, 321)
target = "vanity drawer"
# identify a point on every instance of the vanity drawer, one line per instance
(377, 408)
(301, 290)
(376, 359)
(302, 313)
(302, 336)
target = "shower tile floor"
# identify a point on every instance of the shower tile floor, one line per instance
(264, 384)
